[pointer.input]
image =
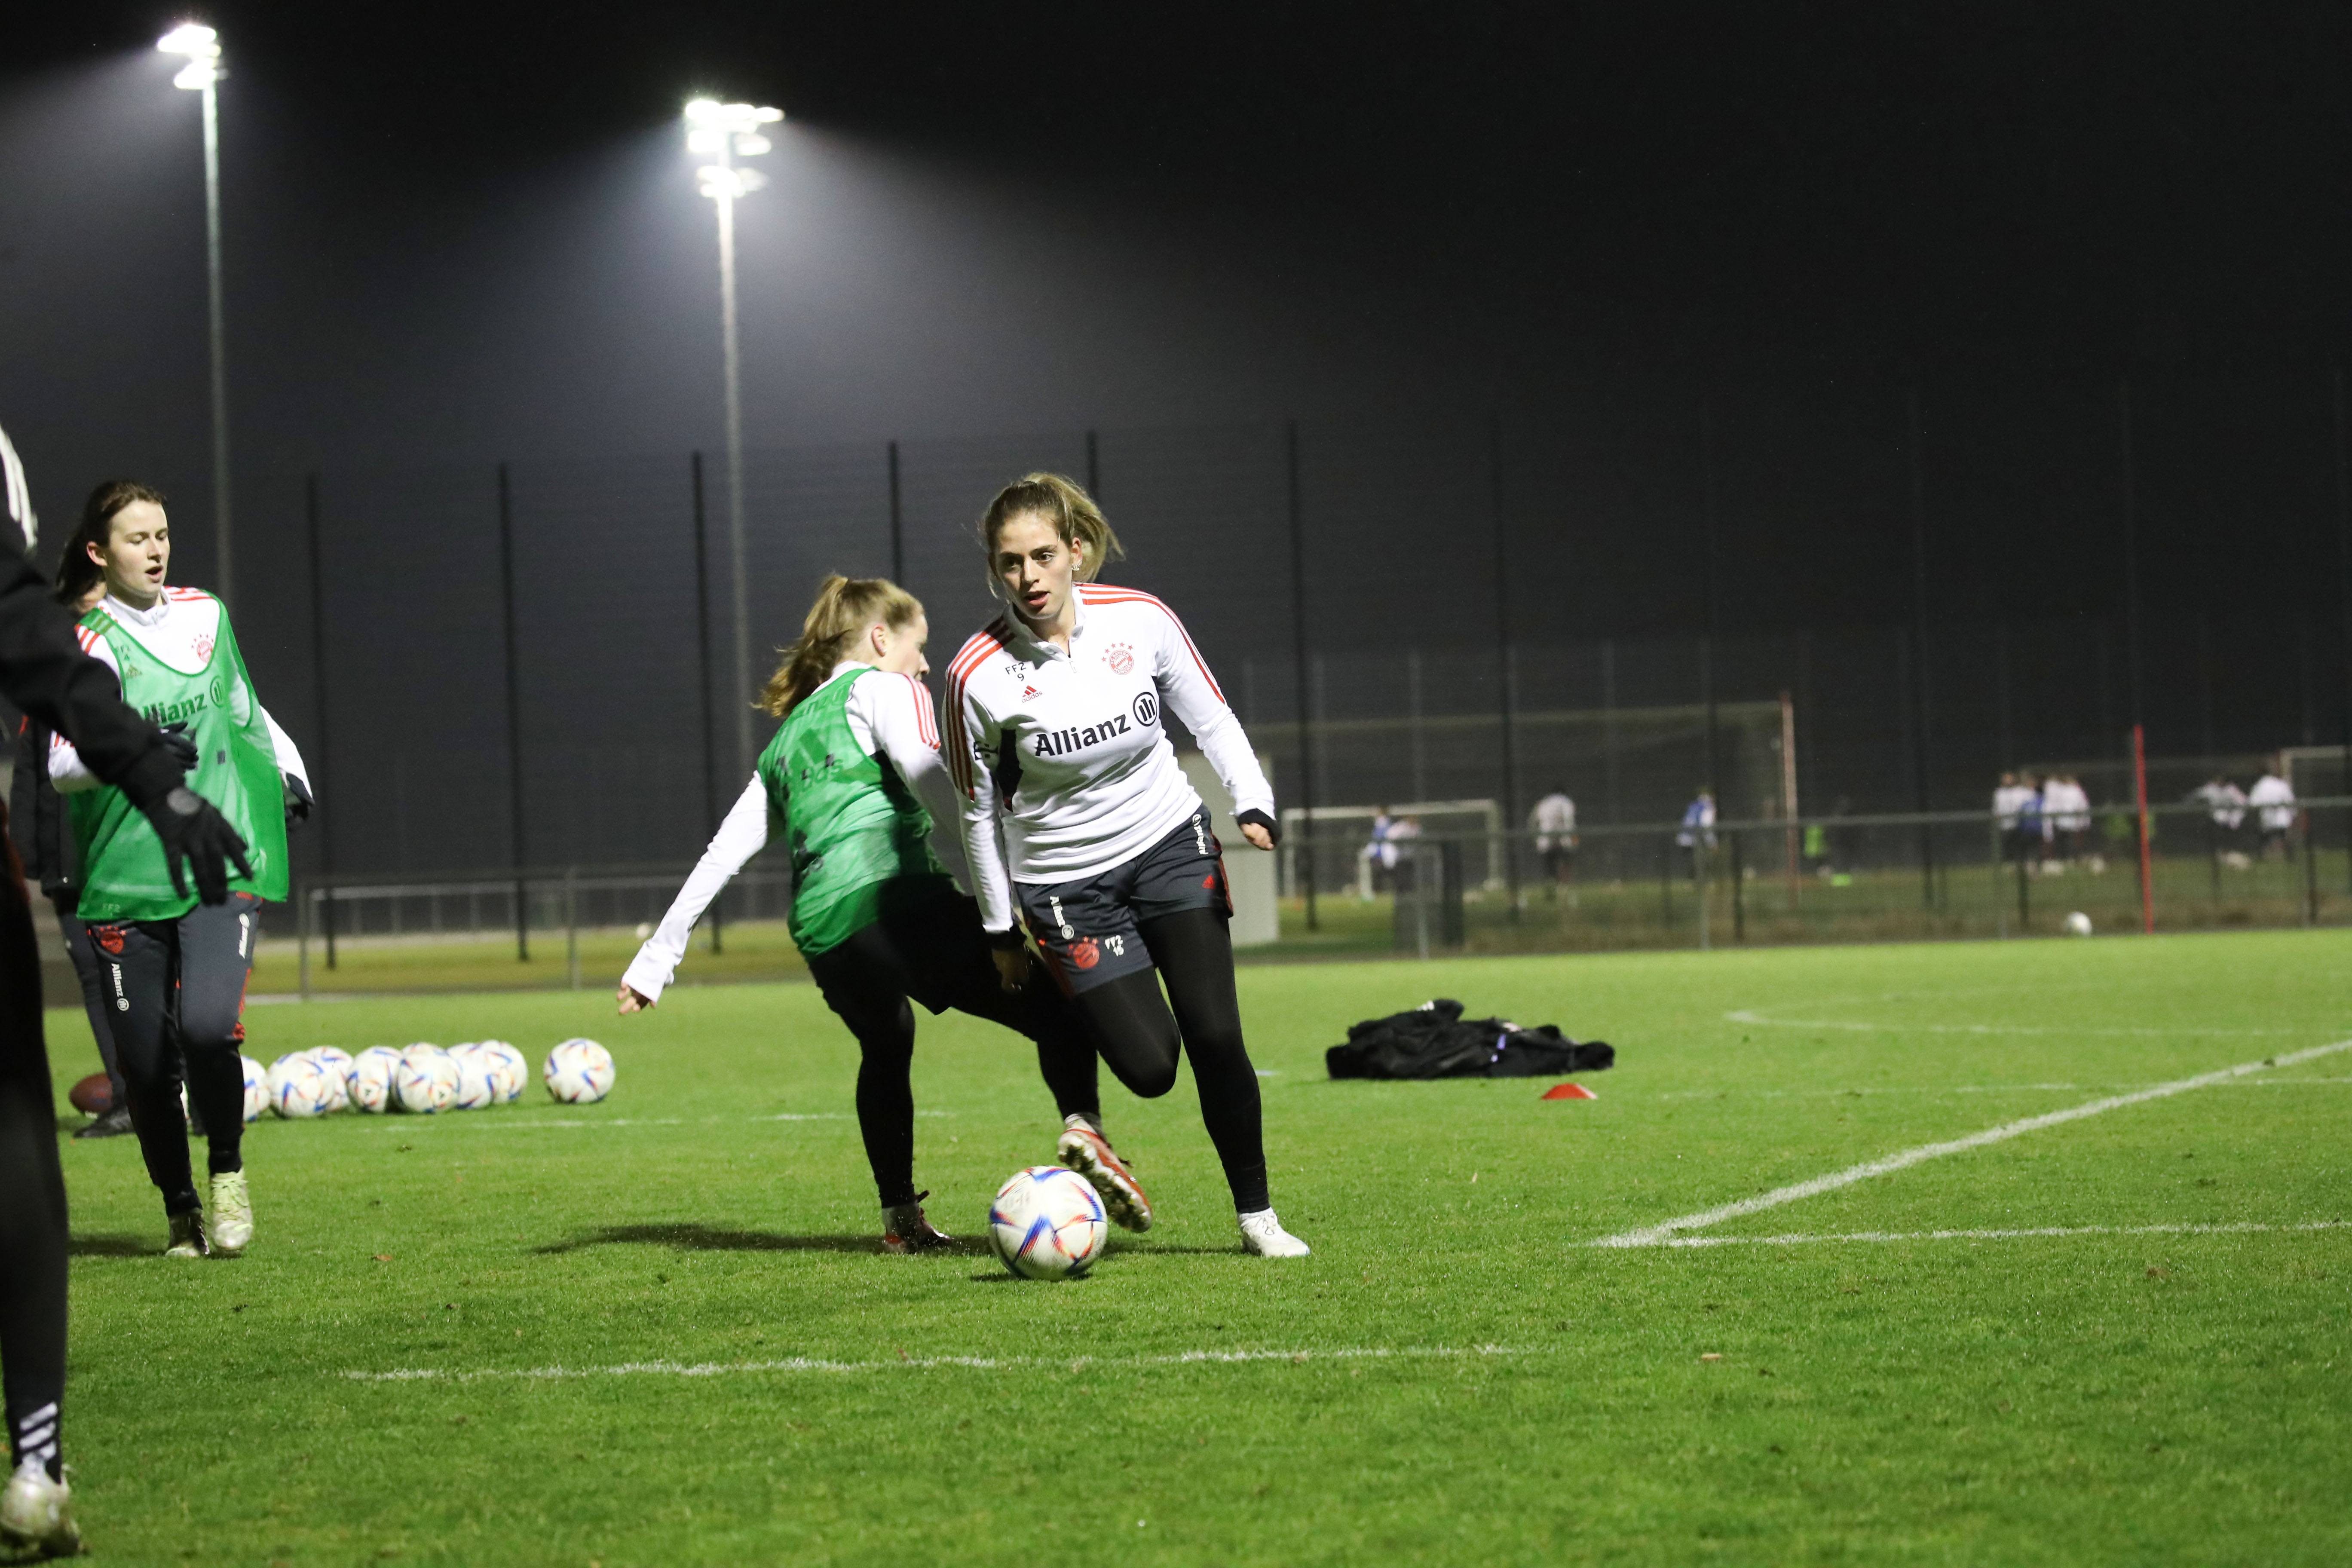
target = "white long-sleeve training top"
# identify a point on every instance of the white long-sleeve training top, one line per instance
(2274, 798)
(1067, 751)
(180, 630)
(892, 716)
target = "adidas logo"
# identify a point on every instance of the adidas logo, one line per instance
(1027, 692)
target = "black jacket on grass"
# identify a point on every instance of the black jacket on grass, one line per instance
(1435, 1040)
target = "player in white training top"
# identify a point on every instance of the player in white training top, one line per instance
(1074, 805)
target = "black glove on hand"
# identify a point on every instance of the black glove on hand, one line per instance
(191, 829)
(1272, 829)
(298, 801)
(183, 749)
(1008, 941)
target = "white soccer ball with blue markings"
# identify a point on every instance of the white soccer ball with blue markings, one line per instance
(336, 1065)
(1048, 1224)
(509, 1070)
(298, 1086)
(579, 1072)
(371, 1078)
(256, 1089)
(427, 1080)
(473, 1087)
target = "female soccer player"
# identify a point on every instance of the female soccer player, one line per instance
(176, 970)
(873, 912)
(1055, 734)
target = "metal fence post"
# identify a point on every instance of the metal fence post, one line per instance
(2310, 874)
(2000, 893)
(571, 922)
(1699, 883)
(302, 925)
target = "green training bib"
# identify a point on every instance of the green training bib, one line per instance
(860, 841)
(124, 874)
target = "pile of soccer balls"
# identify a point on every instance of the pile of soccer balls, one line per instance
(422, 1080)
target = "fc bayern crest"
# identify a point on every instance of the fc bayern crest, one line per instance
(1120, 657)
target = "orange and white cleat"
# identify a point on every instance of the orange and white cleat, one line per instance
(1088, 1152)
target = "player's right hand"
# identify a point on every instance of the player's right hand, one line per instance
(1012, 967)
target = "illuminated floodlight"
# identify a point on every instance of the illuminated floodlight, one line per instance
(723, 132)
(201, 45)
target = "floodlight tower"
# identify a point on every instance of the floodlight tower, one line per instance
(726, 132)
(201, 45)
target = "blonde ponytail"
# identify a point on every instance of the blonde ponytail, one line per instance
(845, 607)
(1063, 502)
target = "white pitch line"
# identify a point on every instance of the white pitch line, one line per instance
(1963, 1088)
(918, 1363)
(2244, 1228)
(1657, 1234)
(1749, 1015)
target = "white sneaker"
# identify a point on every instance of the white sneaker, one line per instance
(232, 1212)
(1263, 1236)
(35, 1512)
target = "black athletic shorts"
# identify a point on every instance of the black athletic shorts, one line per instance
(1086, 928)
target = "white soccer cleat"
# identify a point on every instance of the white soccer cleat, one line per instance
(232, 1210)
(1263, 1237)
(38, 1512)
(1088, 1152)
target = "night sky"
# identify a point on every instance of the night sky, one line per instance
(468, 232)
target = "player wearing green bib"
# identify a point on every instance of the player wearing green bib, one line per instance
(853, 784)
(176, 971)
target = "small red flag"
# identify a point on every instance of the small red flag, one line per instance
(1569, 1091)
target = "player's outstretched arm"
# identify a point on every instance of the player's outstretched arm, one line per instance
(742, 834)
(1193, 693)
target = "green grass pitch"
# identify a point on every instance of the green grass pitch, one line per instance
(658, 1329)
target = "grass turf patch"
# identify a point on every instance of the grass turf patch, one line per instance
(1456, 1375)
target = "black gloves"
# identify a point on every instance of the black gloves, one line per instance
(188, 825)
(190, 828)
(1272, 829)
(1008, 941)
(298, 801)
(183, 750)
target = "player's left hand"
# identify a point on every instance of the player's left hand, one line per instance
(632, 1000)
(1259, 829)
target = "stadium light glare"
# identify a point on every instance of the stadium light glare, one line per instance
(726, 132)
(201, 46)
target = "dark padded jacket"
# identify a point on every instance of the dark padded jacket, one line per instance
(1435, 1040)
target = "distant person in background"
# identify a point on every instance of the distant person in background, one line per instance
(1378, 855)
(2225, 816)
(1554, 822)
(2067, 806)
(2009, 805)
(1699, 828)
(2273, 799)
(36, 817)
(1397, 853)
(2033, 823)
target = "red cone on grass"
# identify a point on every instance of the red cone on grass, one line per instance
(1569, 1091)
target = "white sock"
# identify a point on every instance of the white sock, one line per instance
(1256, 1214)
(1079, 1119)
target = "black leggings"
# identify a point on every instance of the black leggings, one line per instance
(32, 1192)
(93, 994)
(937, 954)
(181, 983)
(1133, 1029)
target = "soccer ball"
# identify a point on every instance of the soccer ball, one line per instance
(336, 1064)
(372, 1071)
(256, 1089)
(507, 1070)
(299, 1088)
(425, 1081)
(579, 1072)
(1048, 1224)
(2078, 924)
(474, 1086)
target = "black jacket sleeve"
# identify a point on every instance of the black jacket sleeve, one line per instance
(44, 673)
